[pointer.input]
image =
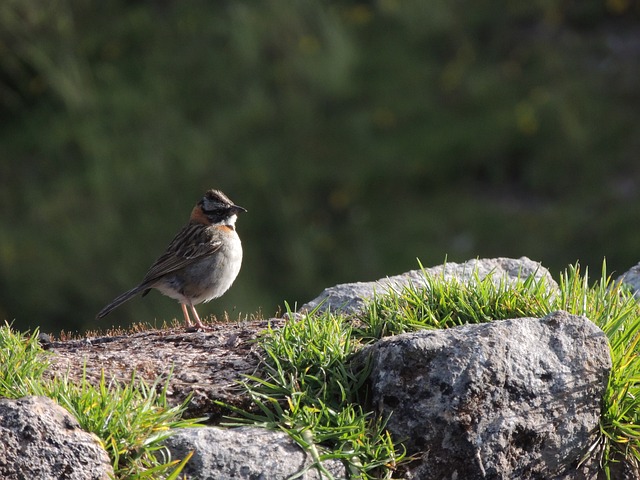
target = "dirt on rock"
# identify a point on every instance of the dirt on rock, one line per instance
(206, 364)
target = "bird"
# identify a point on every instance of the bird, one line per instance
(200, 263)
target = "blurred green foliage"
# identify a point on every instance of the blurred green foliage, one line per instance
(358, 135)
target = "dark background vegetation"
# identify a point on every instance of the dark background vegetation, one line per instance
(360, 136)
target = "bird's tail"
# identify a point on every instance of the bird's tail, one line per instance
(119, 300)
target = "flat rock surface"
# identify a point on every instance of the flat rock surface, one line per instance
(206, 364)
(246, 453)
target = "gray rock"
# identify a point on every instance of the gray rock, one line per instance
(350, 298)
(632, 279)
(40, 439)
(503, 400)
(244, 453)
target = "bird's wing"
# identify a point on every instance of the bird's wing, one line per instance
(192, 243)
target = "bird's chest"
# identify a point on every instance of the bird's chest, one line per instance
(213, 276)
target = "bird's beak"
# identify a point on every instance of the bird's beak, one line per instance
(237, 209)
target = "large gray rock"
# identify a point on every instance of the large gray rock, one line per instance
(504, 400)
(350, 298)
(41, 440)
(244, 453)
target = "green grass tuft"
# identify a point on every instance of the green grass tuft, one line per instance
(132, 420)
(308, 390)
(446, 303)
(22, 362)
(612, 307)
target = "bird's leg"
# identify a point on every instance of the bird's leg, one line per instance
(187, 320)
(198, 323)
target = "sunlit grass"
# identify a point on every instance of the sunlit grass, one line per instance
(308, 389)
(446, 303)
(612, 307)
(22, 362)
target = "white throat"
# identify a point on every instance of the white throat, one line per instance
(229, 221)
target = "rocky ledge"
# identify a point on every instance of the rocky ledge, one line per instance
(509, 399)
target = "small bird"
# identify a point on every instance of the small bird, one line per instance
(200, 263)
